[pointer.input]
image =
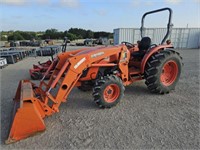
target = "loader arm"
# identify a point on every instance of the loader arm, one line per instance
(33, 103)
(72, 68)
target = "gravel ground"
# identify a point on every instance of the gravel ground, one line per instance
(140, 121)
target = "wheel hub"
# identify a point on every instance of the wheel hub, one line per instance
(169, 73)
(111, 93)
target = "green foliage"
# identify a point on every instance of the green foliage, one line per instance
(20, 35)
(52, 34)
(28, 35)
(15, 36)
(81, 33)
(89, 34)
(3, 38)
(103, 34)
(72, 34)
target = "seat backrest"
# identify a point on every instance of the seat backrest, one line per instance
(144, 44)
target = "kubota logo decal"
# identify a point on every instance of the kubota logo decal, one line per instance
(97, 54)
(79, 63)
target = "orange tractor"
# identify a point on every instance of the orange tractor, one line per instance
(106, 69)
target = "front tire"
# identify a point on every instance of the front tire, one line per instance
(108, 91)
(162, 71)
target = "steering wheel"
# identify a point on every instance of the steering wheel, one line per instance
(129, 45)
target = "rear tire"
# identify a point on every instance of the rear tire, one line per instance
(108, 91)
(162, 71)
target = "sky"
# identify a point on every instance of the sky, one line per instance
(96, 15)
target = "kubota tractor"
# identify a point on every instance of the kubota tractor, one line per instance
(107, 69)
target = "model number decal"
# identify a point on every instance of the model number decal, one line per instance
(97, 54)
(79, 63)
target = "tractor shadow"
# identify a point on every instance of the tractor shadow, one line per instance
(84, 100)
(137, 89)
(80, 100)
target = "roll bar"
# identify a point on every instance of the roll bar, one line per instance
(169, 25)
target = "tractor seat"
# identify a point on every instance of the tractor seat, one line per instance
(143, 46)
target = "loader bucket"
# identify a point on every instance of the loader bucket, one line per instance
(27, 117)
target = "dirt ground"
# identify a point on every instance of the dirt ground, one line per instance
(140, 121)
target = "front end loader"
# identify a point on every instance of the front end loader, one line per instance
(33, 103)
(106, 69)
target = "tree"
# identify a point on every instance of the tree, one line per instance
(3, 37)
(52, 34)
(89, 34)
(71, 36)
(80, 33)
(102, 34)
(15, 36)
(28, 35)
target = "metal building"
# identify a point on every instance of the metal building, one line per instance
(180, 37)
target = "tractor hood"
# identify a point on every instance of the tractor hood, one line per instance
(97, 49)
